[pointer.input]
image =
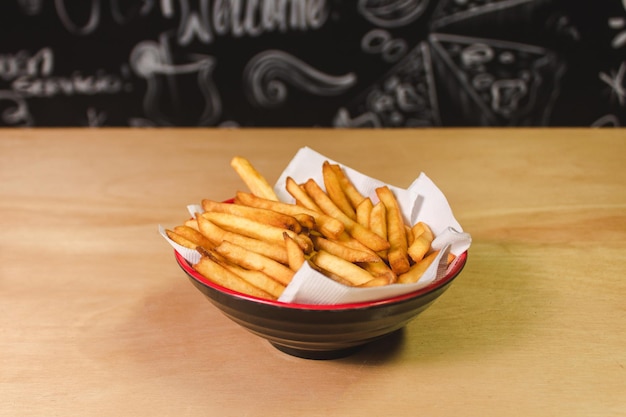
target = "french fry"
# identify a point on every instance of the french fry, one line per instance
(300, 195)
(346, 252)
(375, 282)
(256, 278)
(348, 187)
(222, 276)
(351, 242)
(451, 257)
(295, 254)
(248, 227)
(335, 265)
(257, 214)
(217, 235)
(192, 223)
(194, 236)
(182, 241)
(364, 212)
(360, 233)
(380, 270)
(255, 261)
(256, 183)
(331, 275)
(417, 270)
(304, 241)
(327, 225)
(422, 240)
(422, 229)
(408, 232)
(306, 221)
(378, 220)
(397, 255)
(335, 192)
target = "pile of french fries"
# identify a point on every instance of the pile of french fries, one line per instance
(256, 244)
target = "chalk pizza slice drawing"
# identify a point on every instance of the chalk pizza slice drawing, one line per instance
(493, 82)
(404, 97)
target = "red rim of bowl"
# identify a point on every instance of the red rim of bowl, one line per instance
(453, 271)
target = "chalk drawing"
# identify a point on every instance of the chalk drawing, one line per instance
(17, 112)
(404, 97)
(392, 13)
(169, 85)
(498, 82)
(615, 81)
(380, 41)
(268, 73)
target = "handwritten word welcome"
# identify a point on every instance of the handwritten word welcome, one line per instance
(240, 18)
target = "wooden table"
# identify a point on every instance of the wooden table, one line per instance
(97, 319)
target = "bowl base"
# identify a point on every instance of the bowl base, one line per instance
(317, 354)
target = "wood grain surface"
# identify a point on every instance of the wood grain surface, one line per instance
(96, 318)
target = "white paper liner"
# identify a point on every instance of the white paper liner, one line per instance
(422, 201)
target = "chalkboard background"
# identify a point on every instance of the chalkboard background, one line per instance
(365, 63)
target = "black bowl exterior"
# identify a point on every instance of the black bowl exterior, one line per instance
(321, 333)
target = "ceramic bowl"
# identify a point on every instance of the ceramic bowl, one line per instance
(321, 331)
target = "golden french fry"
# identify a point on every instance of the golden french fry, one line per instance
(397, 255)
(335, 265)
(421, 228)
(256, 183)
(192, 223)
(364, 212)
(216, 273)
(417, 270)
(335, 192)
(380, 270)
(304, 241)
(248, 227)
(257, 214)
(360, 233)
(326, 225)
(331, 275)
(378, 220)
(375, 282)
(182, 241)
(255, 261)
(217, 235)
(306, 221)
(256, 278)
(348, 187)
(408, 231)
(300, 195)
(295, 254)
(346, 252)
(194, 236)
(351, 242)
(423, 238)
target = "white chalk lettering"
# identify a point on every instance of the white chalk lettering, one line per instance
(239, 18)
(22, 63)
(76, 84)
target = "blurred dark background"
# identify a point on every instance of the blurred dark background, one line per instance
(326, 63)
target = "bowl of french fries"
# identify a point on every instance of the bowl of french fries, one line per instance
(319, 266)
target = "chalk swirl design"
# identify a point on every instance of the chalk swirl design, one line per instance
(392, 13)
(268, 74)
(16, 112)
